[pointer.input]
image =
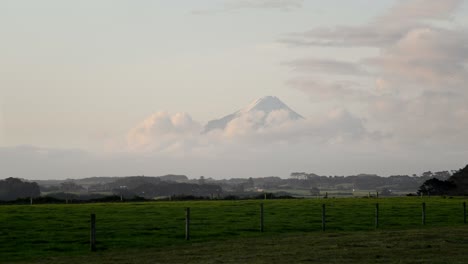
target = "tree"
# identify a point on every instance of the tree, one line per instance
(442, 175)
(250, 183)
(314, 191)
(460, 179)
(427, 174)
(201, 181)
(435, 186)
(13, 188)
(385, 192)
(70, 186)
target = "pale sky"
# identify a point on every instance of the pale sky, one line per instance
(84, 84)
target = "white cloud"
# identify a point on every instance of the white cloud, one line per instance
(163, 132)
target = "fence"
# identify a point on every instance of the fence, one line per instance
(261, 216)
(66, 228)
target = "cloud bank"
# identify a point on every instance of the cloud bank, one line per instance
(173, 134)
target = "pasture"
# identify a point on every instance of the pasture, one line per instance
(29, 233)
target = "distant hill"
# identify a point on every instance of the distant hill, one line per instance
(86, 182)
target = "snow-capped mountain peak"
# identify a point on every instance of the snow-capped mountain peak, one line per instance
(267, 105)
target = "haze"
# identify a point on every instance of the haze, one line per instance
(116, 88)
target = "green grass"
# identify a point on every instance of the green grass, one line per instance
(29, 233)
(430, 245)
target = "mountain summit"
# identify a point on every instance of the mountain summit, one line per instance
(266, 105)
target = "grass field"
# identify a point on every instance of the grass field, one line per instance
(60, 232)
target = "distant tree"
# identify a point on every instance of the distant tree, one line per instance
(250, 183)
(435, 186)
(314, 191)
(13, 188)
(298, 175)
(201, 181)
(427, 174)
(240, 188)
(70, 186)
(385, 192)
(442, 175)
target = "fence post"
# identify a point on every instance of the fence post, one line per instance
(424, 213)
(31, 200)
(187, 223)
(464, 212)
(323, 217)
(93, 232)
(376, 215)
(261, 217)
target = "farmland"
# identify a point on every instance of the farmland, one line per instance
(32, 232)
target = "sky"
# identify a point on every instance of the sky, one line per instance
(115, 88)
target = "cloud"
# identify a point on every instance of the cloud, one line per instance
(321, 129)
(179, 135)
(430, 118)
(326, 66)
(330, 91)
(163, 132)
(414, 84)
(335, 126)
(383, 30)
(235, 5)
(269, 4)
(426, 56)
(415, 10)
(342, 36)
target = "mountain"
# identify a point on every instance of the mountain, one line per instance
(267, 105)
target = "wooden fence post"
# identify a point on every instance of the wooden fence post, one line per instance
(424, 213)
(323, 217)
(93, 232)
(261, 218)
(376, 215)
(464, 212)
(187, 223)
